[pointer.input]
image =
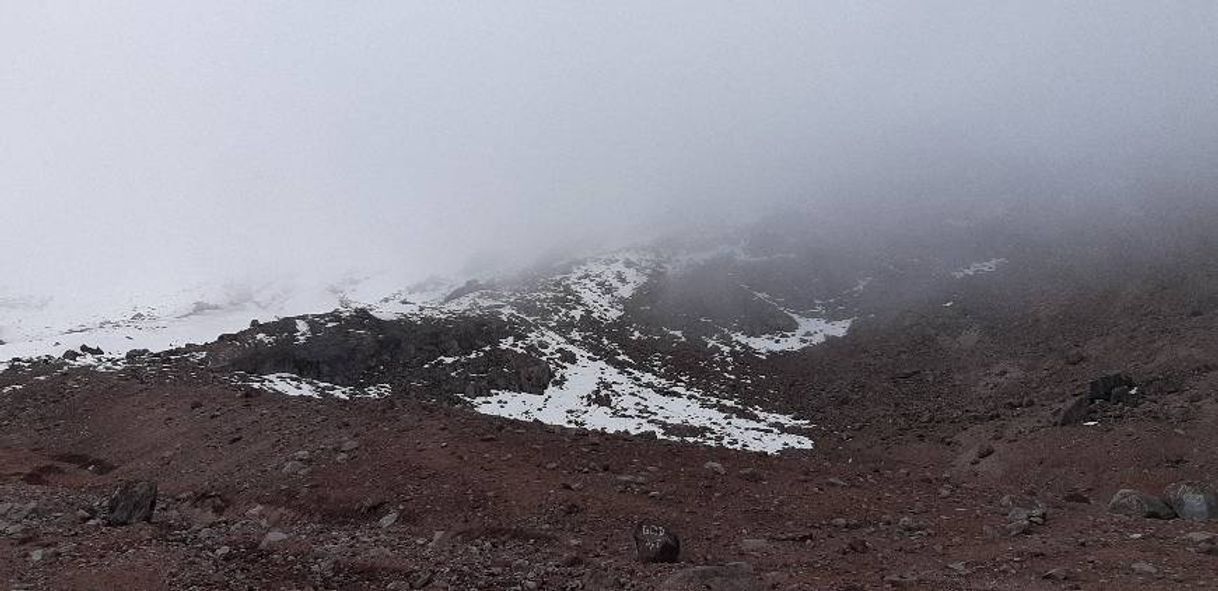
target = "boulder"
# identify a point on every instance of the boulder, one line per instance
(133, 502)
(1192, 500)
(656, 543)
(1102, 388)
(1138, 504)
(91, 350)
(735, 576)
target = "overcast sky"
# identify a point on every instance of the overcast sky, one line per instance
(156, 142)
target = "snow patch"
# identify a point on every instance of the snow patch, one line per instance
(809, 331)
(593, 394)
(293, 385)
(604, 284)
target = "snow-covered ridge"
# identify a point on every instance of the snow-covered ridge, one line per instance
(566, 316)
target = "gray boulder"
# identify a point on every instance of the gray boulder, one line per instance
(1139, 504)
(1192, 500)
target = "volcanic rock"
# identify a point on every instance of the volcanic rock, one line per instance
(656, 543)
(1138, 504)
(134, 501)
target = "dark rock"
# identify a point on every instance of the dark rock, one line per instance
(1101, 389)
(1074, 412)
(134, 501)
(137, 353)
(656, 543)
(91, 350)
(1122, 395)
(1138, 504)
(1192, 500)
(71, 355)
(735, 576)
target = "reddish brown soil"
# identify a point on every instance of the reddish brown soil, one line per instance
(523, 502)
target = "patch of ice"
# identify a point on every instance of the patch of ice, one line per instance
(12, 388)
(978, 268)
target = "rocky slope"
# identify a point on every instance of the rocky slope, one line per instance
(931, 407)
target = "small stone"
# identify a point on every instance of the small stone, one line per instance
(900, 581)
(1144, 568)
(715, 467)
(388, 520)
(349, 445)
(295, 468)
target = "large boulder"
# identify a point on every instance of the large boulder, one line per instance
(735, 576)
(656, 543)
(133, 502)
(1192, 500)
(1139, 504)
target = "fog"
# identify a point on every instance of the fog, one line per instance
(153, 143)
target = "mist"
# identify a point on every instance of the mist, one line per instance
(148, 144)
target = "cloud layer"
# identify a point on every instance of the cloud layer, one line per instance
(153, 143)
